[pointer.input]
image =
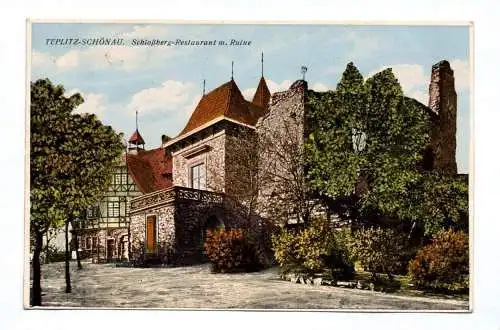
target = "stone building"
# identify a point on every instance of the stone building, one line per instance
(281, 133)
(103, 233)
(209, 167)
(285, 126)
(169, 225)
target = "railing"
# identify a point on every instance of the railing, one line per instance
(171, 194)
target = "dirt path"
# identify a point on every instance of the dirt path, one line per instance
(195, 287)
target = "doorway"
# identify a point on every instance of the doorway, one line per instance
(151, 234)
(110, 247)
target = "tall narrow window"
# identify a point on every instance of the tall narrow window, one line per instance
(94, 244)
(151, 233)
(117, 179)
(124, 178)
(93, 212)
(198, 176)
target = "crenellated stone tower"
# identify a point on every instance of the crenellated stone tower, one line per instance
(443, 103)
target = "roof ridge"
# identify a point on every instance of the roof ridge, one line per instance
(262, 89)
(229, 95)
(225, 101)
(234, 91)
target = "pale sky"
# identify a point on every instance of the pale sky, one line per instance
(164, 83)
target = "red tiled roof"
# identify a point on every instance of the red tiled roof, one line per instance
(151, 170)
(136, 138)
(224, 101)
(262, 94)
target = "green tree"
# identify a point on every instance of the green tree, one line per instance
(71, 159)
(437, 200)
(95, 150)
(366, 146)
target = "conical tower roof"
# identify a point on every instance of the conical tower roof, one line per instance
(262, 94)
(136, 138)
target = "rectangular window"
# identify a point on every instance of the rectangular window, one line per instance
(123, 208)
(117, 178)
(88, 245)
(113, 209)
(92, 212)
(198, 176)
(124, 177)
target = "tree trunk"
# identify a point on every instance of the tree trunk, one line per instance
(47, 259)
(36, 294)
(77, 248)
(129, 255)
(68, 279)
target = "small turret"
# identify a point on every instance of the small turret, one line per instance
(136, 142)
(443, 102)
(262, 95)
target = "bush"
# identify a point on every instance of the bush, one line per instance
(310, 250)
(443, 264)
(230, 251)
(53, 254)
(85, 254)
(259, 234)
(379, 250)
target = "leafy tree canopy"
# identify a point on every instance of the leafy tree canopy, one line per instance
(71, 156)
(366, 143)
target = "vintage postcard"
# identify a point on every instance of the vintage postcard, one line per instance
(249, 166)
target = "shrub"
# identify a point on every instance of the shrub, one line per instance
(285, 245)
(259, 234)
(310, 250)
(85, 254)
(379, 250)
(443, 264)
(230, 251)
(53, 254)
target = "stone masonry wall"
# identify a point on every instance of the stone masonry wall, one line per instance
(182, 214)
(443, 102)
(100, 251)
(213, 157)
(241, 163)
(190, 220)
(284, 124)
(137, 231)
(165, 230)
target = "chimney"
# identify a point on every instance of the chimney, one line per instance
(443, 102)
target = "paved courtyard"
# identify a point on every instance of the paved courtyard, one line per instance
(195, 287)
